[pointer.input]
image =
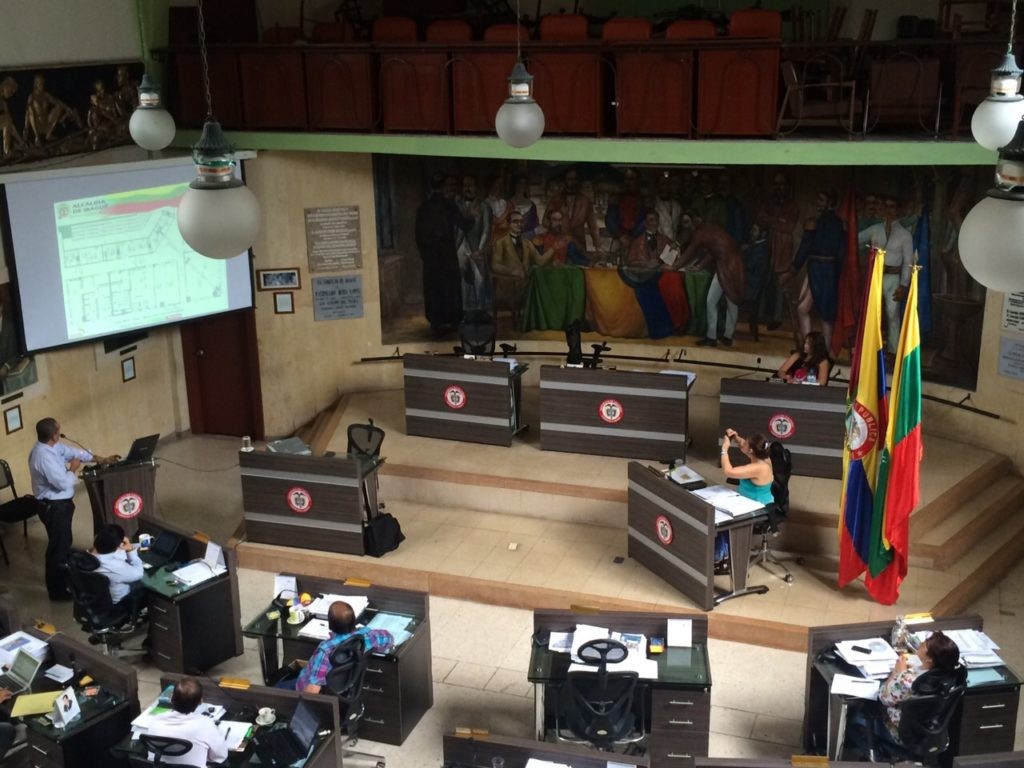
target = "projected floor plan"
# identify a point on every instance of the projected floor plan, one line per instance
(124, 264)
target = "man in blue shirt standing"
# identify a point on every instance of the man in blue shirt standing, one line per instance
(53, 467)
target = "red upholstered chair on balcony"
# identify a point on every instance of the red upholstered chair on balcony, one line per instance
(340, 81)
(414, 89)
(904, 90)
(187, 102)
(273, 88)
(567, 85)
(480, 79)
(738, 88)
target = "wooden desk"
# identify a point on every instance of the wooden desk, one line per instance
(476, 401)
(990, 760)
(398, 688)
(119, 494)
(985, 723)
(313, 502)
(191, 629)
(327, 754)
(460, 752)
(106, 719)
(809, 420)
(678, 702)
(635, 414)
(672, 533)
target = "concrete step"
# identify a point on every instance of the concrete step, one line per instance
(960, 495)
(956, 535)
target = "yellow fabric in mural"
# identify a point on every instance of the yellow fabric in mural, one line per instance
(612, 308)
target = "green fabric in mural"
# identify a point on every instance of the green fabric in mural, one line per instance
(555, 296)
(697, 284)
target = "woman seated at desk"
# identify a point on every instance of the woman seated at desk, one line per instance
(755, 479)
(808, 365)
(939, 670)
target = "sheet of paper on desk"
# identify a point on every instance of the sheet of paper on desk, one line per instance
(976, 648)
(680, 633)
(34, 703)
(284, 583)
(234, 732)
(877, 650)
(17, 641)
(394, 623)
(727, 500)
(141, 723)
(847, 685)
(682, 474)
(322, 603)
(534, 762)
(560, 642)
(584, 634)
(316, 629)
(196, 573)
(60, 673)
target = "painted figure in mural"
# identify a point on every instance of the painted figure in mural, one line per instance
(735, 218)
(514, 253)
(500, 207)
(668, 208)
(437, 220)
(16, 370)
(708, 206)
(822, 249)
(45, 112)
(578, 212)
(717, 250)
(523, 203)
(647, 248)
(556, 246)
(473, 247)
(105, 121)
(127, 92)
(624, 219)
(782, 213)
(757, 269)
(10, 138)
(898, 243)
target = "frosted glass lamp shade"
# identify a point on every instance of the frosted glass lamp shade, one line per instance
(992, 244)
(219, 222)
(995, 121)
(151, 128)
(519, 123)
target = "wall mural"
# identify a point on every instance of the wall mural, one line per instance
(17, 369)
(751, 258)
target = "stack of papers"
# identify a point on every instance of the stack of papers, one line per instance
(976, 648)
(847, 685)
(234, 733)
(394, 623)
(315, 629)
(16, 641)
(60, 673)
(683, 475)
(322, 603)
(196, 573)
(728, 503)
(635, 661)
(873, 656)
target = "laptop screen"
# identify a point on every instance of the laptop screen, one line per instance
(24, 667)
(166, 544)
(304, 724)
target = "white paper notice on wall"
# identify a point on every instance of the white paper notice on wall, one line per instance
(1013, 312)
(1011, 357)
(679, 633)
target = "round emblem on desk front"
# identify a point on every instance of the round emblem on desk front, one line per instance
(611, 411)
(782, 426)
(128, 505)
(663, 529)
(299, 500)
(454, 396)
(861, 431)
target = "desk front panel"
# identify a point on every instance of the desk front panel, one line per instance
(310, 502)
(672, 534)
(634, 414)
(478, 753)
(120, 494)
(457, 399)
(809, 420)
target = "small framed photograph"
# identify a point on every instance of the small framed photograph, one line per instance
(128, 369)
(284, 303)
(12, 419)
(277, 279)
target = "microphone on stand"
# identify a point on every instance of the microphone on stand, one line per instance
(71, 439)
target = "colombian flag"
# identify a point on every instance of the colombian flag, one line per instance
(865, 430)
(898, 489)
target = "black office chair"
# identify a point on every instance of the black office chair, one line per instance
(598, 708)
(17, 509)
(108, 624)
(925, 718)
(345, 680)
(782, 469)
(365, 439)
(160, 747)
(477, 333)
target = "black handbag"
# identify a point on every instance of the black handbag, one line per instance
(382, 534)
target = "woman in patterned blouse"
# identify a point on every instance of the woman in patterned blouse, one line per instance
(938, 654)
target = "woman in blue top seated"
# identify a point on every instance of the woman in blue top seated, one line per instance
(755, 478)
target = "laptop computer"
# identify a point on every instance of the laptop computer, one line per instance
(141, 451)
(22, 672)
(285, 746)
(163, 549)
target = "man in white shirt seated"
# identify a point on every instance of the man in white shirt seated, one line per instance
(121, 565)
(182, 722)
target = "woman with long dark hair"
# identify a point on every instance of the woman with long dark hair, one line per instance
(809, 365)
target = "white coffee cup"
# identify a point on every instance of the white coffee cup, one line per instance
(145, 541)
(266, 716)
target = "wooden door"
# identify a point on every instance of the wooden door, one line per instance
(222, 375)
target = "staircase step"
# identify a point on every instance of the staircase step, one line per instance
(955, 536)
(960, 495)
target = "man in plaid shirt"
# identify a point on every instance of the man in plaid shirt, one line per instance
(342, 622)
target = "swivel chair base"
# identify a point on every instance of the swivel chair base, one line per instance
(377, 761)
(757, 589)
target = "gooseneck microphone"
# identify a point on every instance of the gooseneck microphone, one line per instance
(71, 439)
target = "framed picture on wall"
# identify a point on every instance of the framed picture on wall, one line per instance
(276, 279)
(284, 303)
(12, 419)
(128, 369)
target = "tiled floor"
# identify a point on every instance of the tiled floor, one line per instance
(480, 651)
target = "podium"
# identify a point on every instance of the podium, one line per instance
(119, 494)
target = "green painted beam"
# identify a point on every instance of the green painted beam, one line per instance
(633, 151)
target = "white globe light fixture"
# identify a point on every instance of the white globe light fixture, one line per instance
(995, 120)
(520, 120)
(218, 216)
(151, 126)
(992, 234)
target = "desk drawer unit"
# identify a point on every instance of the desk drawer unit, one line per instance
(988, 722)
(165, 635)
(382, 698)
(43, 753)
(680, 724)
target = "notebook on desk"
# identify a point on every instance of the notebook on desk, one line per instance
(22, 672)
(284, 746)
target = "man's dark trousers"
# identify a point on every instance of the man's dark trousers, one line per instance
(56, 515)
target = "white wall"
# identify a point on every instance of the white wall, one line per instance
(38, 32)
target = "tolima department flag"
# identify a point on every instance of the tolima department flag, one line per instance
(865, 431)
(898, 488)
